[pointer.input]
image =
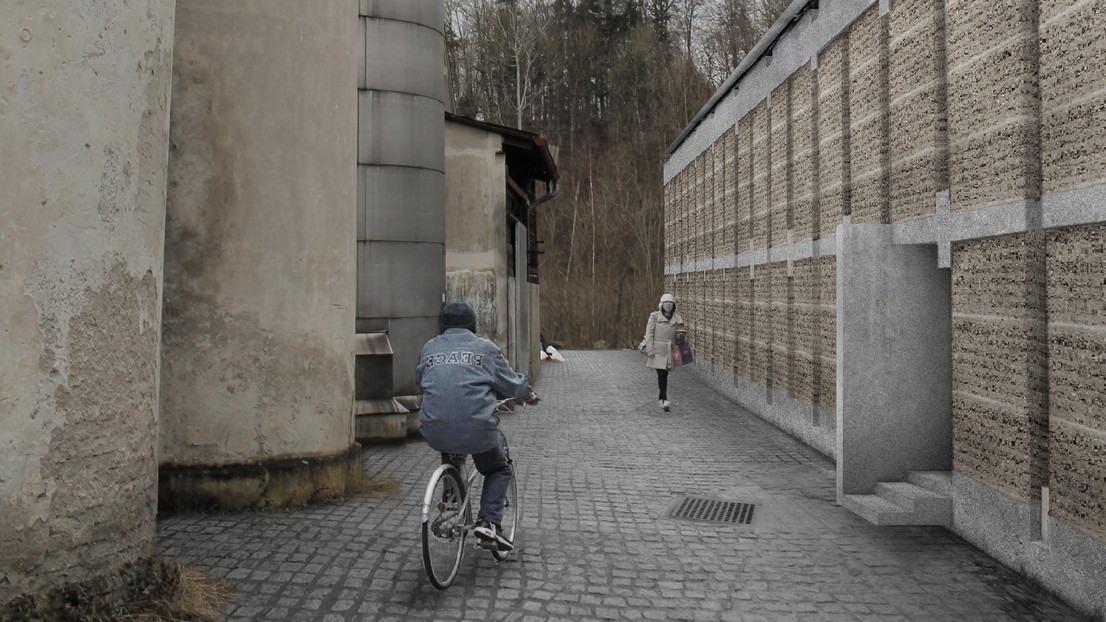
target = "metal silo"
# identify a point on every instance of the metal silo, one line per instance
(257, 377)
(400, 206)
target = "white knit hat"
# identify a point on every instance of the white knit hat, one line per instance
(666, 298)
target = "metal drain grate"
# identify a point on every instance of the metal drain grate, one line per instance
(692, 508)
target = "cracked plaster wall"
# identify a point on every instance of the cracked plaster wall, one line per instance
(84, 105)
(476, 257)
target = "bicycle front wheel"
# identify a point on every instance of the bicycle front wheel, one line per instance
(510, 520)
(445, 515)
(510, 505)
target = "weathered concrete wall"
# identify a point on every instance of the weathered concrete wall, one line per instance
(260, 244)
(976, 130)
(476, 257)
(84, 113)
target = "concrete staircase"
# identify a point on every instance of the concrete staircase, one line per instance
(925, 498)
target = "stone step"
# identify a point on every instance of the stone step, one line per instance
(905, 495)
(925, 506)
(939, 482)
(903, 503)
(875, 509)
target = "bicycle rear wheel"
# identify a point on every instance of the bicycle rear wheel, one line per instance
(444, 517)
(510, 506)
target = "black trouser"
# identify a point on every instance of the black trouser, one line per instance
(662, 383)
(493, 465)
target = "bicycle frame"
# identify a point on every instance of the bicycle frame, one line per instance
(428, 500)
(445, 524)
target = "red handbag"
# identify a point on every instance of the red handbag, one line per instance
(681, 354)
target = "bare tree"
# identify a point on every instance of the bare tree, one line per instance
(504, 52)
(767, 12)
(730, 31)
(611, 82)
(689, 14)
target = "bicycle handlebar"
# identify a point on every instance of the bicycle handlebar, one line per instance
(530, 400)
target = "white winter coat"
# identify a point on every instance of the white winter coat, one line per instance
(659, 335)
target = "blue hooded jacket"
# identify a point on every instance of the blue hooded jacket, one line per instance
(462, 376)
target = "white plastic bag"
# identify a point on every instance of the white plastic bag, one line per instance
(554, 354)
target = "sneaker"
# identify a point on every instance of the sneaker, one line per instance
(661, 404)
(490, 537)
(665, 405)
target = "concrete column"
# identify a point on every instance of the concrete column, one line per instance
(894, 360)
(84, 92)
(260, 251)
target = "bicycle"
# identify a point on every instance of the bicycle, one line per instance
(447, 518)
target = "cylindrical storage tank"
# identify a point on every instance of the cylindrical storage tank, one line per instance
(401, 203)
(257, 380)
(84, 116)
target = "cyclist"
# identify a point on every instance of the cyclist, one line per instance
(462, 376)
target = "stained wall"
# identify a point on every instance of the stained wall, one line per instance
(260, 252)
(84, 134)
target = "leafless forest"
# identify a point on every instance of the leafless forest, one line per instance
(610, 83)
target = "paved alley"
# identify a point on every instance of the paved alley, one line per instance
(600, 467)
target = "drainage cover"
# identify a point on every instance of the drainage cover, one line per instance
(712, 510)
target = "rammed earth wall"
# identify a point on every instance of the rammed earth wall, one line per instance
(971, 127)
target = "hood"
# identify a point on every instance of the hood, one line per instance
(667, 298)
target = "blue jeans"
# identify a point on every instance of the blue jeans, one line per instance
(492, 464)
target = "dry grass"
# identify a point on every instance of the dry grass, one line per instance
(200, 597)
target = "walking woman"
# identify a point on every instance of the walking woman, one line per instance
(664, 328)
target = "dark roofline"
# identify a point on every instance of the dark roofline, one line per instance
(491, 127)
(792, 14)
(528, 140)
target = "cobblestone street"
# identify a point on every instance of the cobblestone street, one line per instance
(600, 466)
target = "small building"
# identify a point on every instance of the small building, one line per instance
(496, 177)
